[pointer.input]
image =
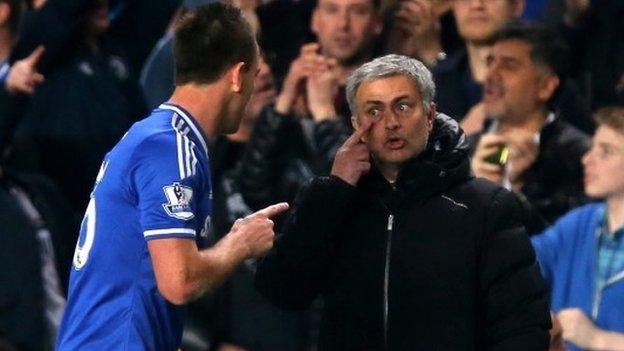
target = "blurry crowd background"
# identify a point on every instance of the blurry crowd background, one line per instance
(526, 75)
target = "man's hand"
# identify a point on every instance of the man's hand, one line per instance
(321, 89)
(523, 151)
(416, 31)
(582, 332)
(353, 158)
(577, 328)
(300, 69)
(474, 119)
(556, 335)
(489, 144)
(256, 230)
(23, 76)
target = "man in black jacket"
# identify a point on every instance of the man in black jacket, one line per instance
(409, 250)
(544, 168)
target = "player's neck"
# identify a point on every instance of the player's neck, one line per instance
(243, 134)
(203, 102)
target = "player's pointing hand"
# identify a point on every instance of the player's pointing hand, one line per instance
(256, 230)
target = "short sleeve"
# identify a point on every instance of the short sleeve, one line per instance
(168, 182)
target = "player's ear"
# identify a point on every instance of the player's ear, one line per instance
(236, 76)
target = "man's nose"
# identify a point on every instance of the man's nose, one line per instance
(391, 120)
(344, 20)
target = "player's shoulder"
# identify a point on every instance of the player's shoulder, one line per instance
(152, 133)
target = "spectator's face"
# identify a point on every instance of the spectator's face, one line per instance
(240, 99)
(604, 164)
(401, 125)
(477, 20)
(98, 18)
(345, 29)
(264, 92)
(515, 87)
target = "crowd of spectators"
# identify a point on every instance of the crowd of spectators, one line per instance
(529, 81)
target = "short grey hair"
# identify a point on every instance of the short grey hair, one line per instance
(392, 65)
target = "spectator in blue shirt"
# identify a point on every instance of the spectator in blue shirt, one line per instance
(582, 255)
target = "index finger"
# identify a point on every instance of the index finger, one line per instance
(34, 56)
(273, 210)
(357, 135)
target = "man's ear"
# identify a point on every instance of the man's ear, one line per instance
(236, 76)
(431, 115)
(548, 86)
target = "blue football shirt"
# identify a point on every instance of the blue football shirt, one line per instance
(154, 184)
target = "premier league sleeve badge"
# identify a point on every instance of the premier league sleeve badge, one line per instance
(178, 201)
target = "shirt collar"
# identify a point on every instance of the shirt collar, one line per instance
(604, 227)
(190, 120)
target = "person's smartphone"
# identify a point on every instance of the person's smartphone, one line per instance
(502, 155)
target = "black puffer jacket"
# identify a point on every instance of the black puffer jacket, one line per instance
(284, 153)
(439, 261)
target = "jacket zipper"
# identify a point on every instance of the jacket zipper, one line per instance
(387, 276)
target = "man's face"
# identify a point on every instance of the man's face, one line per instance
(515, 86)
(400, 127)
(604, 164)
(345, 29)
(477, 20)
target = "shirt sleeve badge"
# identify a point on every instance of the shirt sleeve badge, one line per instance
(178, 201)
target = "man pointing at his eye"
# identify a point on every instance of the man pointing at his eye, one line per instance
(408, 250)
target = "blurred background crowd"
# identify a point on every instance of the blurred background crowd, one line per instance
(523, 78)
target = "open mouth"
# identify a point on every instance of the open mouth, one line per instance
(492, 92)
(395, 143)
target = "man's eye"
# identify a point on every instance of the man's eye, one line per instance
(403, 107)
(374, 112)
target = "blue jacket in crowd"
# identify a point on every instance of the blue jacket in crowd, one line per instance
(567, 256)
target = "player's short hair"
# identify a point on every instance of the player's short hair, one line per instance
(209, 40)
(611, 116)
